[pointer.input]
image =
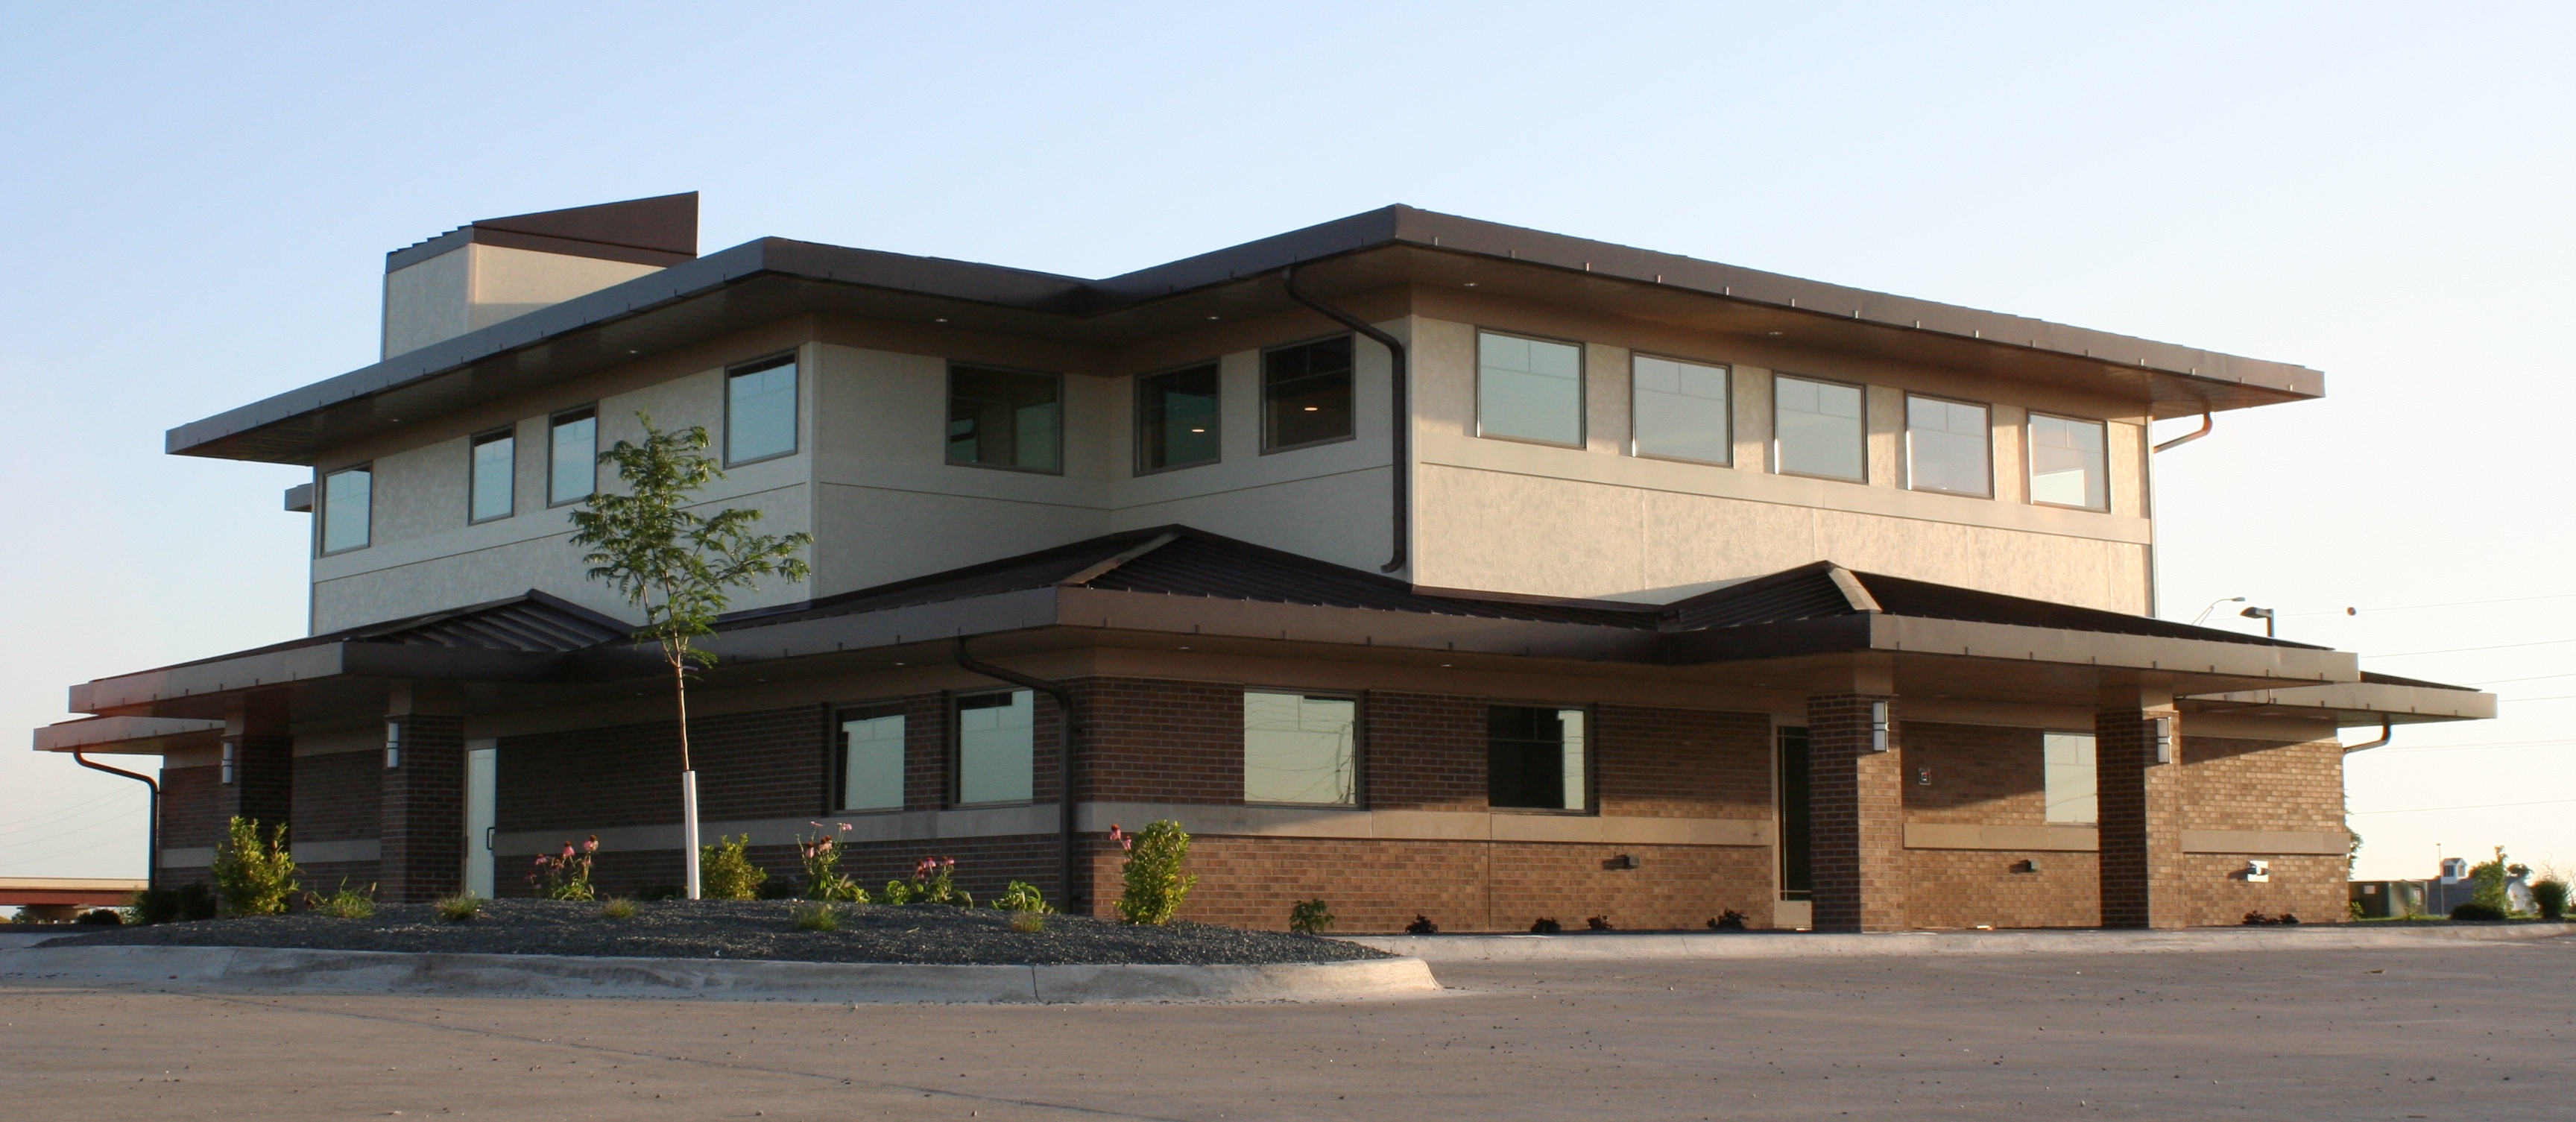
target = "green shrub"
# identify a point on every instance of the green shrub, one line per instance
(725, 871)
(2477, 910)
(464, 907)
(1021, 896)
(2352, 910)
(566, 875)
(1155, 884)
(252, 877)
(934, 881)
(191, 901)
(823, 879)
(100, 917)
(2489, 877)
(2550, 896)
(346, 903)
(617, 907)
(816, 915)
(1310, 917)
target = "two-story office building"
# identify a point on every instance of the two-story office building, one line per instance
(1425, 565)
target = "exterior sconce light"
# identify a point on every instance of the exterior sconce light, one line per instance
(228, 763)
(2258, 872)
(2026, 865)
(1878, 726)
(2164, 740)
(1622, 861)
(1923, 777)
(393, 744)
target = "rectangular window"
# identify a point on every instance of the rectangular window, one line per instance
(1176, 418)
(572, 456)
(2068, 776)
(1534, 758)
(1680, 410)
(1005, 419)
(1306, 394)
(872, 758)
(1299, 749)
(996, 747)
(347, 498)
(1818, 429)
(1529, 389)
(491, 476)
(2066, 463)
(760, 411)
(1948, 447)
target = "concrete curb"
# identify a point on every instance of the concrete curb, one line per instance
(281, 970)
(1757, 945)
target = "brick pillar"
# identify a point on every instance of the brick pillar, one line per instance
(1856, 799)
(2140, 804)
(423, 843)
(259, 781)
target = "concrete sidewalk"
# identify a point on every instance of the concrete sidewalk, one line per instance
(1626, 946)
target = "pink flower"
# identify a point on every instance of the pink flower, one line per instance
(567, 851)
(824, 846)
(541, 862)
(592, 845)
(845, 827)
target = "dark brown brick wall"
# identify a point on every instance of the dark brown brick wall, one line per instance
(423, 810)
(1682, 763)
(263, 786)
(1423, 752)
(1860, 876)
(337, 796)
(321, 878)
(1165, 742)
(2141, 812)
(191, 814)
(768, 764)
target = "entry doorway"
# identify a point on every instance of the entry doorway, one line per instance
(1797, 837)
(482, 804)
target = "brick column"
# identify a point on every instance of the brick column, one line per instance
(1856, 799)
(423, 843)
(2140, 810)
(261, 780)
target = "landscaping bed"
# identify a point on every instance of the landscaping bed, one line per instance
(747, 929)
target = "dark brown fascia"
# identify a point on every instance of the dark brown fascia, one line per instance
(2354, 703)
(149, 690)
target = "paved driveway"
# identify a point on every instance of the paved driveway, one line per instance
(2454, 1032)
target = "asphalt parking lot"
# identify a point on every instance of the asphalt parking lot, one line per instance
(2458, 1031)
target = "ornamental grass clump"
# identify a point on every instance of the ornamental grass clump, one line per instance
(816, 915)
(617, 907)
(464, 907)
(345, 902)
(1028, 907)
(1155, 884)
(823, 877)
(566, 875)
(252, 877)
(725, 871)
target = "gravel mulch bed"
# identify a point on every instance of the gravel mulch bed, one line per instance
(746, 929)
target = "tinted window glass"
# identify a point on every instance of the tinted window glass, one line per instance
(1947, 447)
(872, 759)
(1176, 415)
(1681, 410)
(2066, 463)
(2069, 778)
(1534, 757)
(760, 412)
(1005, 418)
(1529, 388)
(996, 747)
(572, 460)
(1818, 427)
(346, 498)
(1306, 394)
(491, 476)
(1298, 749)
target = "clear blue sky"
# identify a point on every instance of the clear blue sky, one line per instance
(196, 201)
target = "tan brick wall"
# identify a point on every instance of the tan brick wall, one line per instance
(2237, 784)
(1972, 887)
(1981, 775)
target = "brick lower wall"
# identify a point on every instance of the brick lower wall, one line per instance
(768, 764)
(2240, 784)
(1958, 888)
(191, 814)
(338, 797)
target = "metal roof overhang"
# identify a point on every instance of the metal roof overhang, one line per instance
(205, 689)
(129, 736)
(2355, 703)
(771, 279)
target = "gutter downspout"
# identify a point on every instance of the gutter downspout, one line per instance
(1401, 417)
(1064, 750)
(2387, 730)
(2205, 425)
(2155, 577)
(151, 824)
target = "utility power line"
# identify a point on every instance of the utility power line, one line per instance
(2475, 806)
(2459, 650)
(2451, 604)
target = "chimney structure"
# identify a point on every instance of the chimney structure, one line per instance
(474, 276)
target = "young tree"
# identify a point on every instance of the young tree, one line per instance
(677, 565)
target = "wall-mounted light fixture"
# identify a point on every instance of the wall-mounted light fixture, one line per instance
(2164, 740)
(2258, 872)
(2026, 865)
(1622, 861)
(393, 744)
(1923, 777)
(228, 763)
(1878, 726)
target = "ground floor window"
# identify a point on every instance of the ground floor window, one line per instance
(872, 758)
(1534, 758)
(2068, 773)
(996, 747)
(1299, 749)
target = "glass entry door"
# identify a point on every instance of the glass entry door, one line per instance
(482, 768)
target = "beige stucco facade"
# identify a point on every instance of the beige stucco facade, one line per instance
(475, 286)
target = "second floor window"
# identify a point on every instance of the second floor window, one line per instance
(492, 470)
(1947, 447)
(1306, 394)
(1680, 410)
(572, 456)
(1299, 749)
(1005, 419)
(1529, 389)
(872, 758)
(1534, 758)
(2066, 463)
(348, 498)
(760, 411)
(1817, 429)
(1176, 418)
(2068, 778)
(996, 747)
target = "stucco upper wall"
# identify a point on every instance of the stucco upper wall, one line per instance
(475, 286)
(1597, 521)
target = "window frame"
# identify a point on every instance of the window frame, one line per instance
(1777, 460)
(1216, 427)
(2044, 800)
(867, 710)
(1636, 450)
(1063, 418)
(2030, 460)
(556, 420)
(1905, 466)
(322, 508)
(1261, 394)
(956, 778)
(1582, 389)
(1359, 743)
(1591, 758)
(795, 407)
(474, 472)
